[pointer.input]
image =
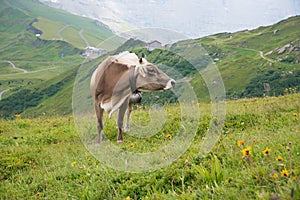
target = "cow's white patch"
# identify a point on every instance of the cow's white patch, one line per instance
(93, 79)
(170, 84)
(132, 59)
(127, 58)
(106, 106)
(141, 70)
(110, 108)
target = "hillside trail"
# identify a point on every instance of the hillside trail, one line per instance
(60, 30)
(80, 34)
(83, 38)
(264, 57)
(2, 92)
(14, 66)
(24, 71)
(261, 54)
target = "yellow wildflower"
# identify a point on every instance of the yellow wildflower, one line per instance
(132, 145)
(240, 142)
(275, 175)
(73, 163)
(246, 152)
(284, 172)
(295, 114)
(169, 136)
(127, 198)
(17, 115)
(279, 158)
(266, 151)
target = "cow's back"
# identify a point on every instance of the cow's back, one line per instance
(105, 78)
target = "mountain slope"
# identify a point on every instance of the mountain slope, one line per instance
(45, 16)
(29, 62)
(245, 66)
(251, 63)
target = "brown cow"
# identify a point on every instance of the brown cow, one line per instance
(117, 82)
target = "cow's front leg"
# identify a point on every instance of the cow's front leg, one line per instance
(99, 113)
(120, 119)
(127, 124)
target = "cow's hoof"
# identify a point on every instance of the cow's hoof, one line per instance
(120, 141)
(98, 140)
(126, 129)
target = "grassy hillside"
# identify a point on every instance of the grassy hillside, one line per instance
(30, 64)
(44, 157)
(250, 59)
(42, 98)
(253, 63)
(51, 28)
(58, 17)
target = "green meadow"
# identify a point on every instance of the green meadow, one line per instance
(256, 157)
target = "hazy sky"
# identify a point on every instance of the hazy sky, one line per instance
(193, 18)
(202, 17)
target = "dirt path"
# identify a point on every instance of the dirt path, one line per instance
(14, 66)
(60, 30)
(83, 38)
(263, 57)
(261, 54)
(2, 92)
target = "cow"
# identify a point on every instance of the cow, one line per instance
(117, 83)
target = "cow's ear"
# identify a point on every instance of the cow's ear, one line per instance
(141, 71)
(141, 60)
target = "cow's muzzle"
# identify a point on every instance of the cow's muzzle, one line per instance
(171, 83)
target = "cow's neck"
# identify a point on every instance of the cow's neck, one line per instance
(132, 80)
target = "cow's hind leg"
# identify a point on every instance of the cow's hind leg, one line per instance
(99, 113)
(128, 112)
(120, 120)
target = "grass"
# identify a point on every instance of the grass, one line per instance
(49, 28)
(51, 20)
(44, 157)
(72, 36)
(5, 68)
(239, 57)
(37, 9)
(44, 57)
(43, 73)
(239, 60)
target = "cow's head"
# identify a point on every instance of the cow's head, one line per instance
(150, 78)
